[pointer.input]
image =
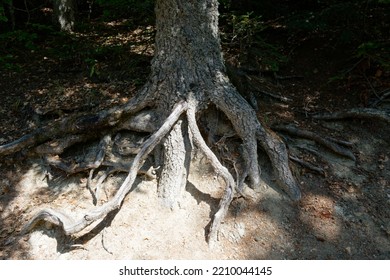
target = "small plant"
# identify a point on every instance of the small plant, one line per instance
(3, 4)
(245, 28)
(245, 32)
(93, 66)
(19, 38)
(7, 62)
(114, 9)
(375, 52)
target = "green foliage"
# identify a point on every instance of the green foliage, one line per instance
(376, 52)
(245, 32)
(268, 56)
(3, 5)
(114, 9)
(245, 28)
(43, 29)
(2, 15)
(19, 39)
(7, 62)
(13, 42)
(225, 4)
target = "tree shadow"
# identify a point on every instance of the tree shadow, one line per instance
(340, 216)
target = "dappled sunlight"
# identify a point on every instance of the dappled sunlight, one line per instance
(61, 97)
(318, 214)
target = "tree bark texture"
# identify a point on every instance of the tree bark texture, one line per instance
(188, 65)
(187, 55)
(64, 14)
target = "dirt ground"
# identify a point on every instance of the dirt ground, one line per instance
(344, 212)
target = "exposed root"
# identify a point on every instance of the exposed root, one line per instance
(383, 96)
(248, 127)
(361, 113)
(200, 142)
(275, 96)
(237, 110)
(220, 215)
(58, 146)
(72, 227)
(72, 168)
(219, 169)
(327, 142)
(277, 153)
(78, 124)
(308, 165)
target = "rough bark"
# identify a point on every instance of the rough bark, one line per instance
(64, 14)
(188, 65)
(177, 157)
(186, 57)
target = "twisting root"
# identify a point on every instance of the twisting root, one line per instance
(219, 169)
(248, 127)
(277, 153)
(72, 227)
(308, 165)
(237, 110)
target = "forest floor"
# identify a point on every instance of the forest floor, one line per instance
(344, 212)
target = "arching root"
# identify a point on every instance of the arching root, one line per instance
(72, 227)
(219, 169)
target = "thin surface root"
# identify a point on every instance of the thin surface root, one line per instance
(326, 142)
(359, 113)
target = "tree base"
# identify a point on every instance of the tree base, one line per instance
(177, 133)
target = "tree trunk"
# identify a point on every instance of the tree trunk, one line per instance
(187, 56)
(188, 65)
(64, 14)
